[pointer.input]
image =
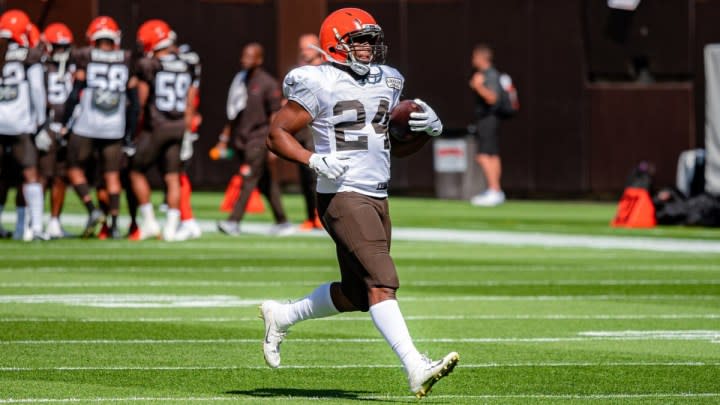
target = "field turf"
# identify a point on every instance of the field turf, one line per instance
(153, 322)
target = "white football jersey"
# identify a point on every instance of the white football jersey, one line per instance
(22, 92)
(102, 103)
(350, 118)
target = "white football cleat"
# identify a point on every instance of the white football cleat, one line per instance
(424, 376)
(55, 230)
(189, 229)
(274, 334)
(149, 229)
(490, 198)
(282, 229)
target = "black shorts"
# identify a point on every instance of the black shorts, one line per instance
(20, 148)
(158, 147)
(487, 136)
(361, 228)
(81, 150)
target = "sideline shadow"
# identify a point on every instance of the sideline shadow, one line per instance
(311, 393)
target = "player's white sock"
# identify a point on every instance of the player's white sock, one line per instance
(316, 305)
(147, 212)
(389, 321)
(34, 196)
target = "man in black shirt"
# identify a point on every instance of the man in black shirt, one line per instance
(485, 83)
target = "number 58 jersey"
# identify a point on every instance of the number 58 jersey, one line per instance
(349, 118)
(102, 102)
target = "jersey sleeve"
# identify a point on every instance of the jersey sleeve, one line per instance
(395, 80)
(302, 87)
(143, 70)
(79, 57)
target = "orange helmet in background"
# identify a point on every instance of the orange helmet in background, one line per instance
(103, 27)
(15, 26)
(344, 29)
(154, 35)
(33, 36)
(57, 34)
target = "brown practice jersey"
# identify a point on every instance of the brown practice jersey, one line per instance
(22, 91)
(59, 82)
(103, 101)
(169, 78)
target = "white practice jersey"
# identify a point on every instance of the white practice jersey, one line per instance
(349, 118)
(102, 103)
(22, 92)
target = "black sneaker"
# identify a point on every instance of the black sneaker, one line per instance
(231, 228)
(96, 217)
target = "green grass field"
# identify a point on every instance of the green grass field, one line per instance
(152, 322)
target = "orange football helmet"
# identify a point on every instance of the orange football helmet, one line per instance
(15, 25)
(103, 27)
(57, 34)
(33, 36)
(352, 37)
(154, 35)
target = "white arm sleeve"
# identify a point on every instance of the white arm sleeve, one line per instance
(36, 79)
(299, 86)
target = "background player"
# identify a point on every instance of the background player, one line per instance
(164, 84)
(57, 39)
(107, 115)
(346, 103)
(22, 108)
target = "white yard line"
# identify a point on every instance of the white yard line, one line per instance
(491, 317)
(361, 366)
(503, 238)
(143, 301)
(305, 283)
(285, 399)
(712, 336)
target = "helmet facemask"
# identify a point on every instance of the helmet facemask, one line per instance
(363, 48)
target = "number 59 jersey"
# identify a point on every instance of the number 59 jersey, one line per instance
(350, 118)
(169, 78)
(102, 103)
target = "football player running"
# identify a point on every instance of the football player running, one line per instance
(346, 103)
(165, 82)
(105, 90)
(57, 39)
(22, 108)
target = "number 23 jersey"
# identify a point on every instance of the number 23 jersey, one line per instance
(349, 118)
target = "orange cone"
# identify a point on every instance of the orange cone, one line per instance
(232, 193)
(635, 210)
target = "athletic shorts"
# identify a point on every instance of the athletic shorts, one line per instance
(81, 149)
(53, 162)
(158, 147)
(487, 136)
(361, 228)
(20, 148)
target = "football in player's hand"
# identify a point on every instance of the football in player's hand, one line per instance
(399, 117)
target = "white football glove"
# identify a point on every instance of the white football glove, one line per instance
(186, 149)
(328, 165)
(43, 141)
(426, 121)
